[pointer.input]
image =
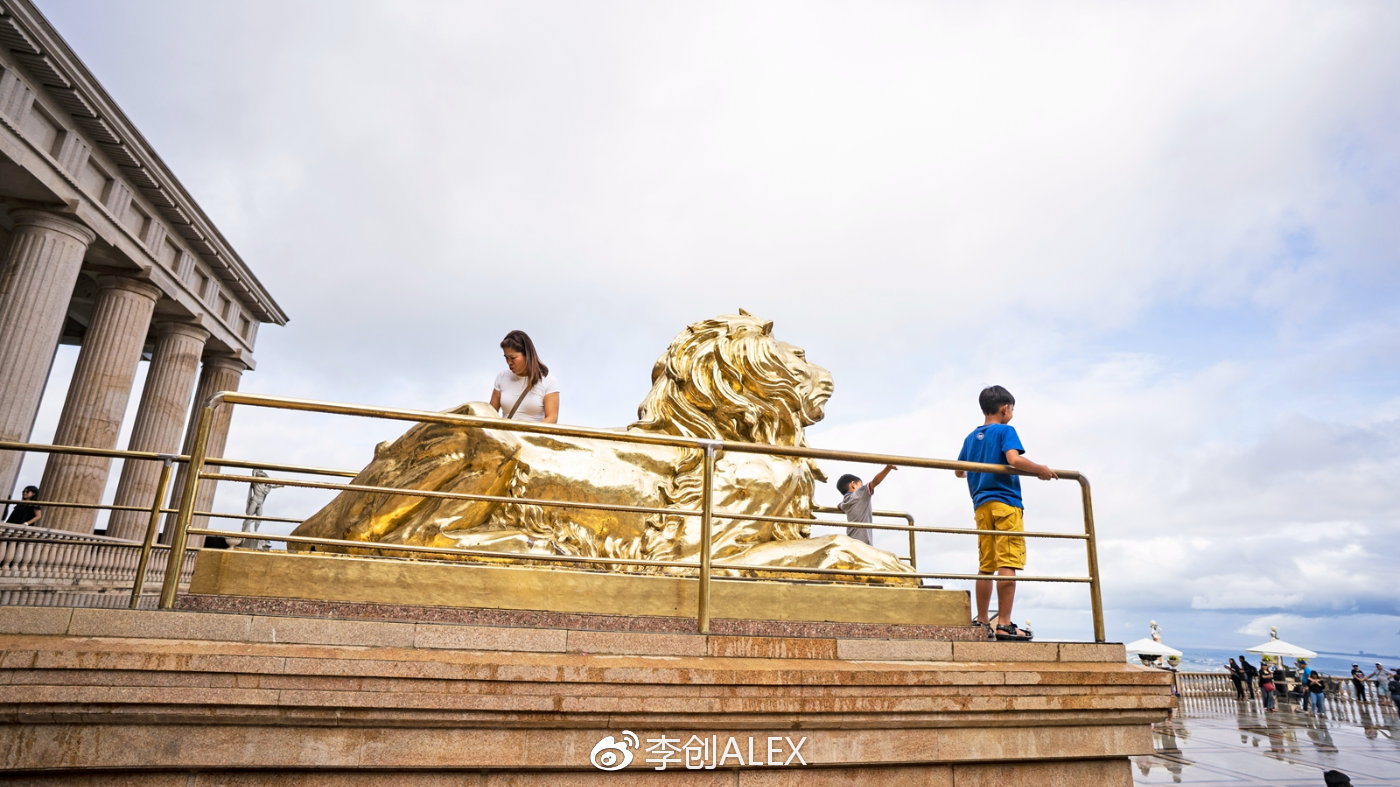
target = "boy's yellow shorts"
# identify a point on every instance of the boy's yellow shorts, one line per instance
(1003, 551)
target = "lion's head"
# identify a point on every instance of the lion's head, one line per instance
(727, 378)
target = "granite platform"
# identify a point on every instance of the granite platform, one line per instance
(204, 698)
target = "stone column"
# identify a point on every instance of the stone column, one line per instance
(36, 283)
(220, 373)
(97, 399)
(160, 420)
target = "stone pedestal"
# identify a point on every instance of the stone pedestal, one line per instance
(249, 580)
(202, 697)
(36, 283)
(97, 399)
(160, 420)
(220, 373)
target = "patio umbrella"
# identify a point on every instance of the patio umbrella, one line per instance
(1151, 646)
(1277, 647)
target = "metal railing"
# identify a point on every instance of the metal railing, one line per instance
(710, 449)
(16, 559)
(912, 558)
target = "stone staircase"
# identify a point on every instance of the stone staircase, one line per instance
(202, 697)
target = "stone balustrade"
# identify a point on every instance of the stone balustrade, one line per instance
(1340, 702)
(46, 567)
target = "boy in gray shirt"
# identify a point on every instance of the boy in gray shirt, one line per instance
(855, 501)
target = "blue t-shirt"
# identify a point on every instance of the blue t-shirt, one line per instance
(988, 444)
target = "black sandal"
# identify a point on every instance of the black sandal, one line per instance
(985, 626)
(1012, 634)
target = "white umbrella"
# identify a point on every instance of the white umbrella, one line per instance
(1151, 646)
(1284, 650)
(1148, 647)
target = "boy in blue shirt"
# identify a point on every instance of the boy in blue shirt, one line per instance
(996, 501)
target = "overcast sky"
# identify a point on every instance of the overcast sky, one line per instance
(1169, 228)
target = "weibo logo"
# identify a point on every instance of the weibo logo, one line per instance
(610, 754)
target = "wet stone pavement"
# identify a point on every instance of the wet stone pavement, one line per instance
(1217, 741)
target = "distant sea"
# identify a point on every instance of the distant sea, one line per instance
(1336, 664)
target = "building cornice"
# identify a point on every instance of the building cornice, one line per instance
(66, 80)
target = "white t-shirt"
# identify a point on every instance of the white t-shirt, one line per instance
(532, 409)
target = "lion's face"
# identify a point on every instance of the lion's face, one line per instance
(814, 382)
(728, 378)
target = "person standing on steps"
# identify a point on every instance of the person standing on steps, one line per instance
(996, 501)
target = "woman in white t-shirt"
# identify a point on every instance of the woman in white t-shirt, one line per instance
(525, 391)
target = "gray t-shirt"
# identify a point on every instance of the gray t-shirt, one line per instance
(857, 506)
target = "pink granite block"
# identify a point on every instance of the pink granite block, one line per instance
(1100, 773)
(434, 635)
(636, 644)
(1092, 651)
(331, 632)
(772, 647)
(894, 650)
(35, 620)
(158, 624)
(1008, 652)
(16, 658)
(931, 776)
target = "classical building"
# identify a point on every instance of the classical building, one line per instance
(104, 249)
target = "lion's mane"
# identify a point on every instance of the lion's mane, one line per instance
(727, 378)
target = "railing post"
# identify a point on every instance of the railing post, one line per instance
(913, 554)
(706, 523)
(1091, 545)
(182, 519)
(163, 486)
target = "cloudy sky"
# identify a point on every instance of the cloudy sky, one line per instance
(1170, 229)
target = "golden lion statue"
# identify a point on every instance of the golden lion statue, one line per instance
(724, 379)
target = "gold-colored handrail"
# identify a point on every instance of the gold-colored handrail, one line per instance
(148, 543)
(152, 528)
(905, 515)
(109, 453)
(413, 548)
(710, 448)
(170, 582)
(588, 506)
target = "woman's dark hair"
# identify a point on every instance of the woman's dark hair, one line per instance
(519, 341)
(31, 488)
(994, 398)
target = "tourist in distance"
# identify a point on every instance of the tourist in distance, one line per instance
(1381, 676)
(1266, 683)
(25, 513)
(1303, 672)
(1237, 678)
(1315, 689)
(856, 503)
(996, 502)
(1250, 673)
(1393, 686)
(1358, 682)
(525, 391)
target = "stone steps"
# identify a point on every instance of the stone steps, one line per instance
(151, 691)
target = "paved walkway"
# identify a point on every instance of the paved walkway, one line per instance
(1218, 742)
